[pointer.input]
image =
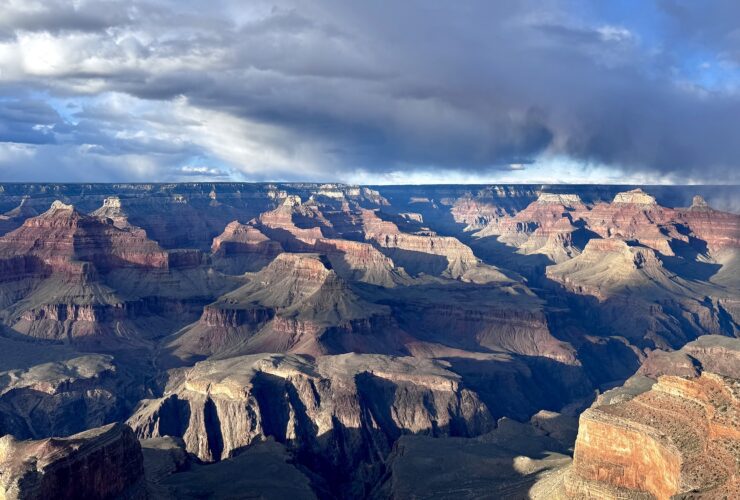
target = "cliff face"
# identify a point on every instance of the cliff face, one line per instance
(429, 254)
(336, 412)
(679, 435)
(99, 463)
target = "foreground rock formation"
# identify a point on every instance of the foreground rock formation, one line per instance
(100, 463)
(675, 436)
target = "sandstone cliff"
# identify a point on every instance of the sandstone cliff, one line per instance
(674, 437)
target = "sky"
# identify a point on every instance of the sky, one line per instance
(371, 92)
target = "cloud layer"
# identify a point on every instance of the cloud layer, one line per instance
(371, 91)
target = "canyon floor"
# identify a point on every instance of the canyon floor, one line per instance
(333, 341)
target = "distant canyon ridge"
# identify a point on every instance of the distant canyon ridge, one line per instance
(309, 340)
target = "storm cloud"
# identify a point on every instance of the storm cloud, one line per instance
(348, 90)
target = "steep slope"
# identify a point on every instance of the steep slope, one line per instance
(296, 304)
(100, 463)
(666, 310)
(679, 437)
(426, 253)
(337, 413)
(547, 226)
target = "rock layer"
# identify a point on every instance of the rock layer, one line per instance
(679, 436)
(99, 463)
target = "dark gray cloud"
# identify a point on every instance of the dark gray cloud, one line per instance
(323, 89)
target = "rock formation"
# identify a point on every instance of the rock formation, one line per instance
(60, 398)
(296, 304)
(634, 197)
(666, 310)
(681, 437)
(425, 253)
(372, 343)
(241, 248)
(336, 411)
(547, 227)
(100, 463)
(670, 434)
(65, 275)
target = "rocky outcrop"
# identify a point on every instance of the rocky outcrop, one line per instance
(336, 412)
(634, 197)
(421, 253)
(667, 438)
(296, 304)
(100, 463)
(61, 398)
(681, 437)
(242, 248)
(547, 227)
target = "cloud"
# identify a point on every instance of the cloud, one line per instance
(344, 90)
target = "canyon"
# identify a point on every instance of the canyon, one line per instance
(513, 341)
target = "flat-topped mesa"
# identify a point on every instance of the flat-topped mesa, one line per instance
(100, 463)
(635, 197)
(567, 200)
(375, 396)
(331, 191)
